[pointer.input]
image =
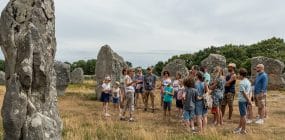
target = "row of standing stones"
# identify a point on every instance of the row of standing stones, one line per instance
(63, 76)
(112, 64)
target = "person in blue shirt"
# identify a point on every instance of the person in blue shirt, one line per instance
(260, 90)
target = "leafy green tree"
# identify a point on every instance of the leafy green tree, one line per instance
(158, 68)
(239, 54)
(129, 64)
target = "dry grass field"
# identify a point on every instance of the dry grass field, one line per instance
(83, 120)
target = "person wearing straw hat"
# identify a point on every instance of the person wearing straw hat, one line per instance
(105, 96)
(229, 94)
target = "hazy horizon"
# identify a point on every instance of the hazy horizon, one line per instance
(145, 32)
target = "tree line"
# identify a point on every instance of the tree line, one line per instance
(238, 54)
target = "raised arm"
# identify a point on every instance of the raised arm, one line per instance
(233, 78)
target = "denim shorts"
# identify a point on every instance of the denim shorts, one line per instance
(188, 115)
(105, 97)
(200, 109)
(242, 108)
(116, 100)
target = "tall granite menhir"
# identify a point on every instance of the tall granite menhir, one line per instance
(108, 63)
(27, 38)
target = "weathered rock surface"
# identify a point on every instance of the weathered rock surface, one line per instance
(62, 76)
(27, 38)
(108, 63)
(176, 66)
(214, 60)
(2, 78)
(77, 76)
(273, 67)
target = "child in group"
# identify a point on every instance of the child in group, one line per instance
(117, 94)
(189, 98)
(106, 93)
(176, 89)
(179, 97)
(167, 99)
(244, 101)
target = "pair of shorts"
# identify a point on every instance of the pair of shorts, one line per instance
(228, 99)
(200, 109)
(214, 110)
(179, 104)
(242, 108)
(105, 97)
(116, 100)
(260, 100)
(188, 115)
(167, 106)
(139, 90)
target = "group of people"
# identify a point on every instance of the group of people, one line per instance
(195, 95)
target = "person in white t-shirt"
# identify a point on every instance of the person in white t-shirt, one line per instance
(106, 93)
(243, 101)
(129, 95)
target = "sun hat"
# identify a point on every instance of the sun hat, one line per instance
(232, 65)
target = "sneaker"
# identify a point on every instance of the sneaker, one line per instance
(131, 120)
(248, 121)
(237, 130)
(257, 117)
(243, 132)
(195, 131)
(107, 115)
(259, 121)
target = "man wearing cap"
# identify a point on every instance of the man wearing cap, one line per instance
(149, 85)
(229, 90)
(260, 90)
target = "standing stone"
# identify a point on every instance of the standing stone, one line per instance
(214, 60)
(2, 78)
(62, 76)
(27, 38)
(77, 76)
(108, 63)
(176, 66)
(273, 67)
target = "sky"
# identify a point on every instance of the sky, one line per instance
(146, 31)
